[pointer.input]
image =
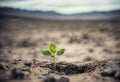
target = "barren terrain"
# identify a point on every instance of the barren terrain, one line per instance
(94, 43)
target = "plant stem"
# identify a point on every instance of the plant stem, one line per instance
(54, 62)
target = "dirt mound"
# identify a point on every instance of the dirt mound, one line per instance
(73, 68)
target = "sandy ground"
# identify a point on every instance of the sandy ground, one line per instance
(24, 39)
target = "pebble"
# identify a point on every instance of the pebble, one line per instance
(118, 63)
(17, 73)
(108, 72)
(112, 71)
(63, 79)
(28, 64)
(2, 67)
(47, 78)
(117, 75)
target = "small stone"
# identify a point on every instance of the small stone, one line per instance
(108, 72)
(47, 78)
(28, 64)
(63, 79)
(17, 73)
(118, 63)
(117, 75)
(2, 67)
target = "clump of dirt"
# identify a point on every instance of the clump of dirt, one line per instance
(72, 68)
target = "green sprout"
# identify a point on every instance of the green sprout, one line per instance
(85, 35)
(52, 52)
(72, 38)
(103, 27)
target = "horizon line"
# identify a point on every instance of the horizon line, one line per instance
(59, 12)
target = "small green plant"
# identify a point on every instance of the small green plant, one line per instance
(103, 27)
(52, 52)
(72, 38)
(85, 35)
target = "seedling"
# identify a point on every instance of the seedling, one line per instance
(103, 27)
(85, 35)
(52, 52)
(72, 38)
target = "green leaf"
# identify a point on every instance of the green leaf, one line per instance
(46, 53)
(60, 52)
(53, 48)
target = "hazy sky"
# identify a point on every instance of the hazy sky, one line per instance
(64, 6)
